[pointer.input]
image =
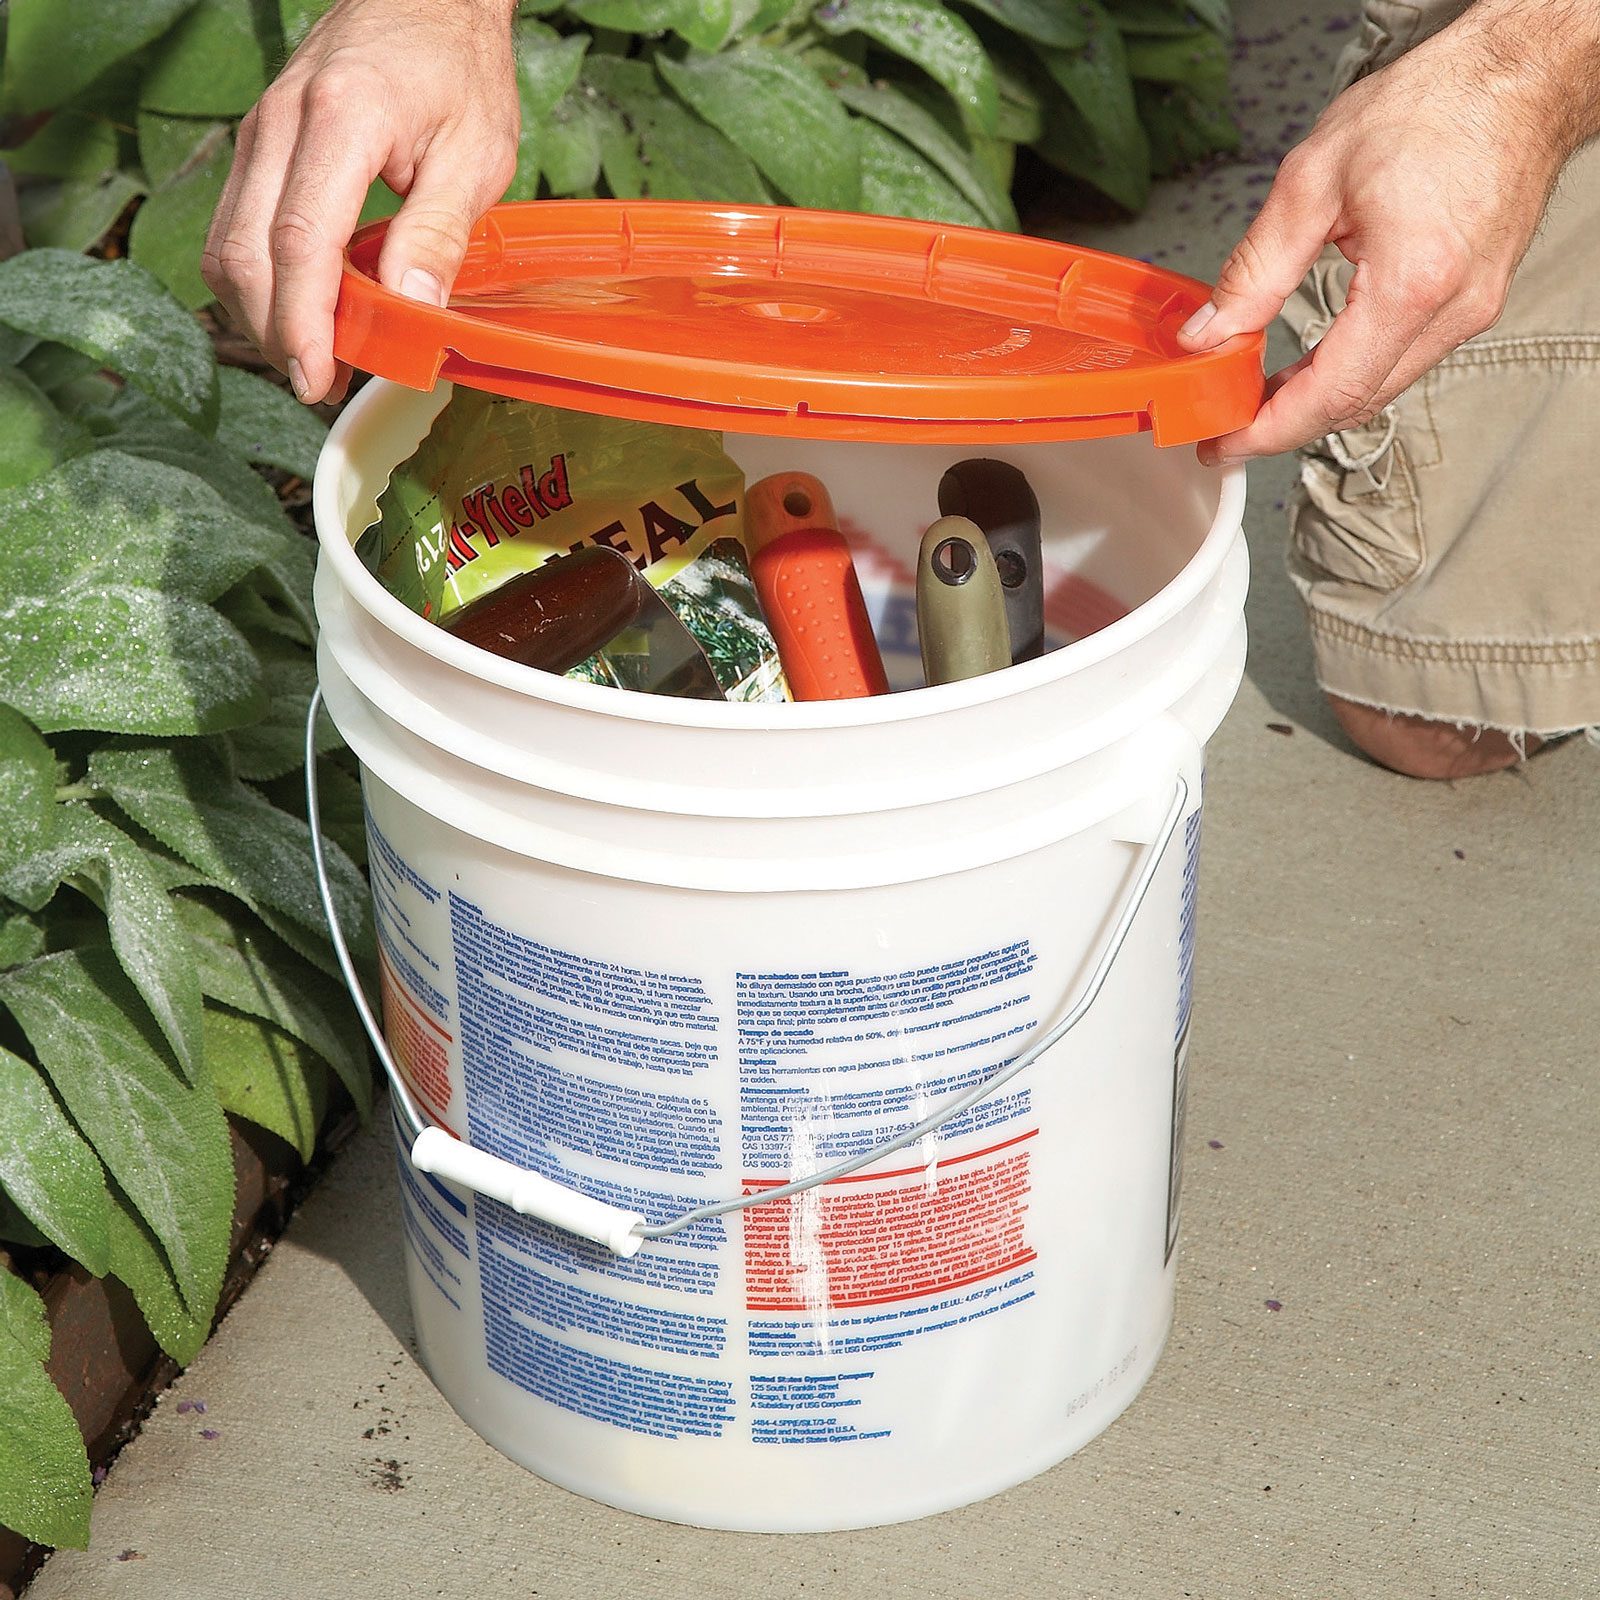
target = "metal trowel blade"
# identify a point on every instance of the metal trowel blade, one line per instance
(656, 654)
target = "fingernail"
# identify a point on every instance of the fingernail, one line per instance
(420, 285)
(1212, 454)
(297, 379)
(1195, 326)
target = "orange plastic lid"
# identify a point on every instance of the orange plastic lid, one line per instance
(809, 323)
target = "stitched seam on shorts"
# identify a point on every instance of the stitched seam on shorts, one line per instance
(1425, 393)
(1458, 652)
(1580, 349)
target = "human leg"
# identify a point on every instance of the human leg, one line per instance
(1443, 549)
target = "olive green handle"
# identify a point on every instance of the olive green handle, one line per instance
(961, 607)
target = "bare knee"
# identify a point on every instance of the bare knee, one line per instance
(1420, 748)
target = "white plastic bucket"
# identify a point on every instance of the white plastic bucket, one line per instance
(666, 952)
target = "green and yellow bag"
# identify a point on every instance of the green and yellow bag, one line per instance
(500, 486)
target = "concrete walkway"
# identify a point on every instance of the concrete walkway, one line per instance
(1382, 1379)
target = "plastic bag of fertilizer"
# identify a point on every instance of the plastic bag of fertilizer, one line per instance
(500, 486)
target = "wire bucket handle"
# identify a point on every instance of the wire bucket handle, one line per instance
(530, 1194)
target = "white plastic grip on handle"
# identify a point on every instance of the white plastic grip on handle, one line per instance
(527, 1193)
(432, 1149)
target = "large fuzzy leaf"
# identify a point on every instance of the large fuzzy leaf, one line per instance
(118, 313)
(139, 1261)
(45, 1491)
(932, 37)
(288, 578)
(76, 213)
(169, 144)
(115, 520)
(1197, 59)
(339, 797)
(896, 183)
(72, 144)
(107, 559)
(145, 932)
(267, 1077)
(244, 966)
(1096, 134)
(28, 820)
(126, 659)
(781, 115)
(34, 436)
(569, 145)
(1050, 22)
(164, 1141)
(710, 24)
(211, 64)
(134, 424)
(651, 144)
(51, 1175)
(53, 48)
(261, 422)
(21, 939)
(1184, 126)
(927, 136)
(275, 746)
(186, 799)
(1154, 18)
(169, 229)
(547, 67)
(635, 16)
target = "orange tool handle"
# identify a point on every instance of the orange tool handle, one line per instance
(808, 586)
(809, 590)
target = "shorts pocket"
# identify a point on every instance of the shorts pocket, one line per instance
(1355, 515)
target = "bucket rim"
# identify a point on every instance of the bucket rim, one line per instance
(906, 705)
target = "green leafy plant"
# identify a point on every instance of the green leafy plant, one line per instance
(162, 957)
(162, 960)
(908, 107)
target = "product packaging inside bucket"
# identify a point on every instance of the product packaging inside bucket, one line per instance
(634, 554)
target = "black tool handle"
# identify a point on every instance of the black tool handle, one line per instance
(997, 497)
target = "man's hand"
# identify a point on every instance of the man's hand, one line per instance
(421, 93)
(1431, 177)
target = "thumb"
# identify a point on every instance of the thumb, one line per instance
(1266, 265)
(427, 239)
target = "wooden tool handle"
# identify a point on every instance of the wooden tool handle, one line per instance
(558, 614)
(785, 502)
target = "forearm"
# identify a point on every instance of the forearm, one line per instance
(1541, 54)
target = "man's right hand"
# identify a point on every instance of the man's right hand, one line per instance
(1431, 177)
(421, 93)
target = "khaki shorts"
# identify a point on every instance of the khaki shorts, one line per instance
(1448, 551)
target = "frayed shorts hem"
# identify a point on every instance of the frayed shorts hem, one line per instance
(1525, 689)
